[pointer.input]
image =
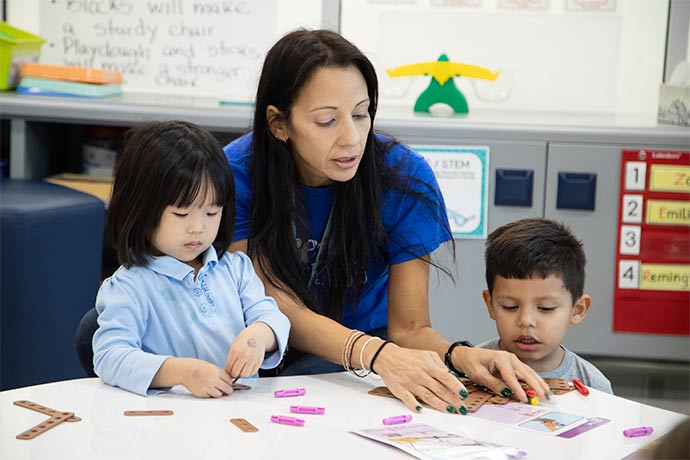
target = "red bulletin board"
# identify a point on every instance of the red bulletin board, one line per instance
(652, 292)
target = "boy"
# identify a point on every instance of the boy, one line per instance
(535, 272)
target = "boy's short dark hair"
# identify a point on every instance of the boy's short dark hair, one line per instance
(536, 248)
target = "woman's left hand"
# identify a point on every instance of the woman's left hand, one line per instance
(499, 370)
(414, 376)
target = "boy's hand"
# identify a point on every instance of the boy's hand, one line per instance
(205, 380)
(248, 350)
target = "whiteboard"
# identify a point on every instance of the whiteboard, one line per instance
(192, 47)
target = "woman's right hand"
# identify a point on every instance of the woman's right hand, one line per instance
(416, 376)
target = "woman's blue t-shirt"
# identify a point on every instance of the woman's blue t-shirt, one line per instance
(413, 227)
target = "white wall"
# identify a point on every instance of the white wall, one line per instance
(562, 60)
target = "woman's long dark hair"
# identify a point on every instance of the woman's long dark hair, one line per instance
(356, 233)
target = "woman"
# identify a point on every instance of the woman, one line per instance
(340, 222)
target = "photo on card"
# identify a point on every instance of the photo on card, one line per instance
(551, 422)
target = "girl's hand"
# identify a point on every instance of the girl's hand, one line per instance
(248, 350)
(414, 376)
(203, 379)
(499, 371)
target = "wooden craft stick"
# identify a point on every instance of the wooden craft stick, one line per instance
(381, 391)
(43, 410)
(497, 399)
(476, 399)
(45, 426)
(144, 413)
(480, 395)
(244, 425)
(559, 386)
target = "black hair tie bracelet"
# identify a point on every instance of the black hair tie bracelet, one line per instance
(449, 356)
(376, 355)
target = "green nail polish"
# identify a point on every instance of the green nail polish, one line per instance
(418, 408)
(464, 393)
(453, 373)
(450, 409)
(462, 410)
(506, 393)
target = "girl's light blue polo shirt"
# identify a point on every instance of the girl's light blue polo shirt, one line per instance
(147, 314)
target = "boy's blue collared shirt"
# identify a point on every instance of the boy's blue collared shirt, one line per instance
(147, 314)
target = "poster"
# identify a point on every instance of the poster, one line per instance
(652, 291)
(462, 174)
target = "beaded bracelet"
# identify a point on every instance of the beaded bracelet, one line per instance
(347, 349)
(343, 358)
(376, 355)
(348, 344)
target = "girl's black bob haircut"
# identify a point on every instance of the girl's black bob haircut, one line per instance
(162, 164)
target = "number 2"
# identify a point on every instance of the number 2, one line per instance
(632, 209)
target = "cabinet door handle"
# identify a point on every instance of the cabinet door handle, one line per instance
(514, 187)
(576, 190)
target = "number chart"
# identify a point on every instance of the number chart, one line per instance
(652, 292)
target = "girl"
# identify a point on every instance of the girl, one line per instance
(340, 223)
(180, 310)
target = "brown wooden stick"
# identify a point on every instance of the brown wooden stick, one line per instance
(45, 426)
(43, 410)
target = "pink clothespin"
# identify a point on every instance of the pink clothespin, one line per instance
(285, 420)
(639, 431)
(307, 410)
(287, 393)
(397, 419)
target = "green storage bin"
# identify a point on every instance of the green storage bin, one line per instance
(16, 48)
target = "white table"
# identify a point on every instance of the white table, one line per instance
(200, 428)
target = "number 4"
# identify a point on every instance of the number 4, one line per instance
(628, 274)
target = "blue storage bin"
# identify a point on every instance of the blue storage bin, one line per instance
(51, 244)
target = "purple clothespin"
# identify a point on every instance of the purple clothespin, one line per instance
(285, 420)
(397, 419)
(639, 431)
(292, 392)
(307, 410)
